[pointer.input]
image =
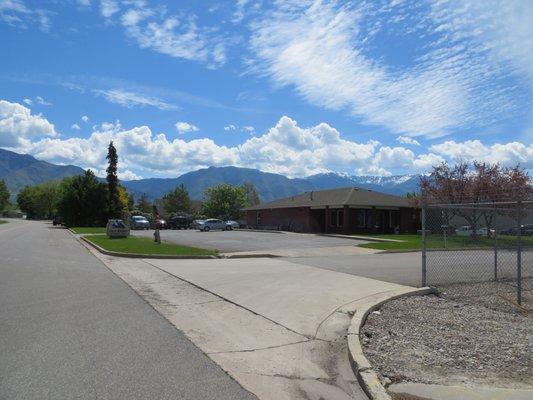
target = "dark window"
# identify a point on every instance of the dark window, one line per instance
(333, 217)
(336, 218)
(360, 218)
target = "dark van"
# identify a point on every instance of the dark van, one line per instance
(179, 222)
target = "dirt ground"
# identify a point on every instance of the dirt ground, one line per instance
(451, 339)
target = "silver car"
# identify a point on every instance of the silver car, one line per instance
(233, 224)
(212, 223)
(139, 222)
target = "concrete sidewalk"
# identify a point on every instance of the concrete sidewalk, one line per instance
(276, 327)
(298, 297)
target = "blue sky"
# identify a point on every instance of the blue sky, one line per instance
(294, 87)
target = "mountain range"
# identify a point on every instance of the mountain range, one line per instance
(19, 170)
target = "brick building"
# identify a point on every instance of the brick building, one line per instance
(344, 210)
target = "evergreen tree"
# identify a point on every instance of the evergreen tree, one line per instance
(114, 203)
(144, 205)
(177, 200)
(4, 195)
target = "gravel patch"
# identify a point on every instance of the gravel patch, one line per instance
(451, 340)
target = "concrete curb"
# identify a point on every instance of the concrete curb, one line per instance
(264, 255)
(156, 256)
(260, 230)
(359, 238)
(363, 370)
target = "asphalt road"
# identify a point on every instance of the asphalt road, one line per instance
(247, 240)
(71, 329)
(401, 268)
(443, 267)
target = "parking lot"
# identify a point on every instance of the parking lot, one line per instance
(249, 241)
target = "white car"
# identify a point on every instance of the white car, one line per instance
(212, 223)
(233, 224)
(139, 222)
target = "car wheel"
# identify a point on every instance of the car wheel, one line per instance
(206, 229)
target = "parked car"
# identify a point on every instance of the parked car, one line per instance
(464, 231)
(57, 220)
(179, 222)
(233, 224)
(212, 223)
(485, 232)
(139, 222)
(526, 230)
(468, 231)
(195, 224)
(161, 224)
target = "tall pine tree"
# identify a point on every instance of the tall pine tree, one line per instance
(114, 204)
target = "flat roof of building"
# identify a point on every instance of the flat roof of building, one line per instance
(351, 196)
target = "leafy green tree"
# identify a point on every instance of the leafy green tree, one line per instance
(26, 201)
(252, 196)
(39, 201)
(4, 195)
(143, 204)
(115, 205)
(177, 200)
(225, 201)
(83, 201)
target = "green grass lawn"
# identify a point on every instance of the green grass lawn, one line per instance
(143, 245)
(2, 221)
(414, 242)
(88, 229)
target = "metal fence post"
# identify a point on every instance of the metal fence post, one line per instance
(423, 243)
(519, 257)
(495, 256)
(495, 248)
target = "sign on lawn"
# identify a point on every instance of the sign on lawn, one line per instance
(116, 228)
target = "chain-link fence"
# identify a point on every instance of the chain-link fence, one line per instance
(482, 250)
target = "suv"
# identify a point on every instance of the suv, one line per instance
(213, 223)
(139, 222)
(526, 230)
(179, 222)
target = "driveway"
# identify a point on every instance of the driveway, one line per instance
(238, 241)
(278, 328)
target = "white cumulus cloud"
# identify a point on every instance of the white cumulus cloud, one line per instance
(18, 125)
(407, 140)
(286, 148)
(185, 127)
